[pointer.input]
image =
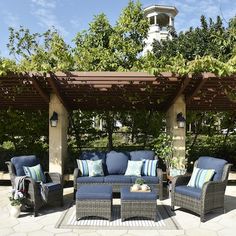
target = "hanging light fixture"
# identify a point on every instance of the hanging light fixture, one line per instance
(54, 119)
(180, 120)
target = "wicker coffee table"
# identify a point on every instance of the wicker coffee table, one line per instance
(138, 204)
(94, 200)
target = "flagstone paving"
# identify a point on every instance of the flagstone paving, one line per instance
(218, 224)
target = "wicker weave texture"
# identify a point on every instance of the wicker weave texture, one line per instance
(99, 208)
(135, 208)
(212, 195)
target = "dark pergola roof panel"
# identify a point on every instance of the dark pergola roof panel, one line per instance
(116, 90)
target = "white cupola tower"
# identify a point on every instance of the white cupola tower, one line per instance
(160, 19)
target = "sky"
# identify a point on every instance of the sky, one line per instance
(72, 16)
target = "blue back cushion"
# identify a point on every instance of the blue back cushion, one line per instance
(94, 156)
(116, 163)
(212, 163)
(142, 154)
(20, 161)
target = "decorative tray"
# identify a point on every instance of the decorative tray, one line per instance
(140, 191)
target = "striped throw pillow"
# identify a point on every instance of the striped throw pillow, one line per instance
(149, 168)
(83, 167)
(35, 172)
(200, 176)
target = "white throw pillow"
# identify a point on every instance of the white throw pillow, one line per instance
(134, 168)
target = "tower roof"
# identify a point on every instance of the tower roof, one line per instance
(161, 8)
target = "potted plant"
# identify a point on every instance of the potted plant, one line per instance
(16, 200)
(138, 183)
(175, 165)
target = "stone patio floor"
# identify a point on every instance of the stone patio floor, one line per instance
(44, 225)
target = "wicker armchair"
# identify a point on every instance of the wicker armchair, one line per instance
(210, 197)
(54, 195)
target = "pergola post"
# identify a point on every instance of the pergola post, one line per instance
(178, 134)
(57, 136)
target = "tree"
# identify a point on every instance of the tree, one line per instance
(211, 38)
(106, 48)
(46, 52)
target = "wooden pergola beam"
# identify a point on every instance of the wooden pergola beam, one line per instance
(205, 77)
(55, 88)
(39, 89)
(182, 87)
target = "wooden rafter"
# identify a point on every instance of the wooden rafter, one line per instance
(55, 88)
(39, 89)
(183, 86)
(205, 77)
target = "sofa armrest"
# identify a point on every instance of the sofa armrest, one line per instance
(160, 175)
(53, 177)
(216, 188)
(76, 175)
(180, 180)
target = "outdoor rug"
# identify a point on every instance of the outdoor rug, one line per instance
(165, 221)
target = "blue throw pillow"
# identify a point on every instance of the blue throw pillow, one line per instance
(35, 172)
(116, 163)
(200, 176)
(149, 168)
(83, 167)
(142, 154)
(95, 168)
(134, 168)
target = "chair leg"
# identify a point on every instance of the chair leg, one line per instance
(172, 208)
(202, 218)
(35, 212)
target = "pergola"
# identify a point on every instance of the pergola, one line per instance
(63, 92)
(116, 90)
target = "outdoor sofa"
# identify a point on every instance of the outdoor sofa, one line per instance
(114, 168)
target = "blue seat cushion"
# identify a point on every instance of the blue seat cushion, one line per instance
(86, 179)
(95, 192)
(116, 163)
(94, 156)
(53, 186)
(125, 194)
(142, 154)
(212, 163)
(20, 161)
(189, 191)
(148, 179)
(117, 179)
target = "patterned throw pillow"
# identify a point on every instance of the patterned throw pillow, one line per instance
(83, 167)
(35, 172)
(200, 176)
(95, 168)
(149, 168)
(134, 168)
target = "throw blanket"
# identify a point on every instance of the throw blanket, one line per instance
(20, 185)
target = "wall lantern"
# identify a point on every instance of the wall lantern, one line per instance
(180, 120)
(54, 119)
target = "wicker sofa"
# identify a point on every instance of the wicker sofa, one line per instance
(114, 167)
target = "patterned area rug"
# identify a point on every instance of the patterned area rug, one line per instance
(165, 221)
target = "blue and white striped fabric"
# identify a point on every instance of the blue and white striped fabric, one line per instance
(149, 168)
(200, 176)
(83, 167)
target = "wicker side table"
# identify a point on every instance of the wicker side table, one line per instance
(138, 204)
(94, 200)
